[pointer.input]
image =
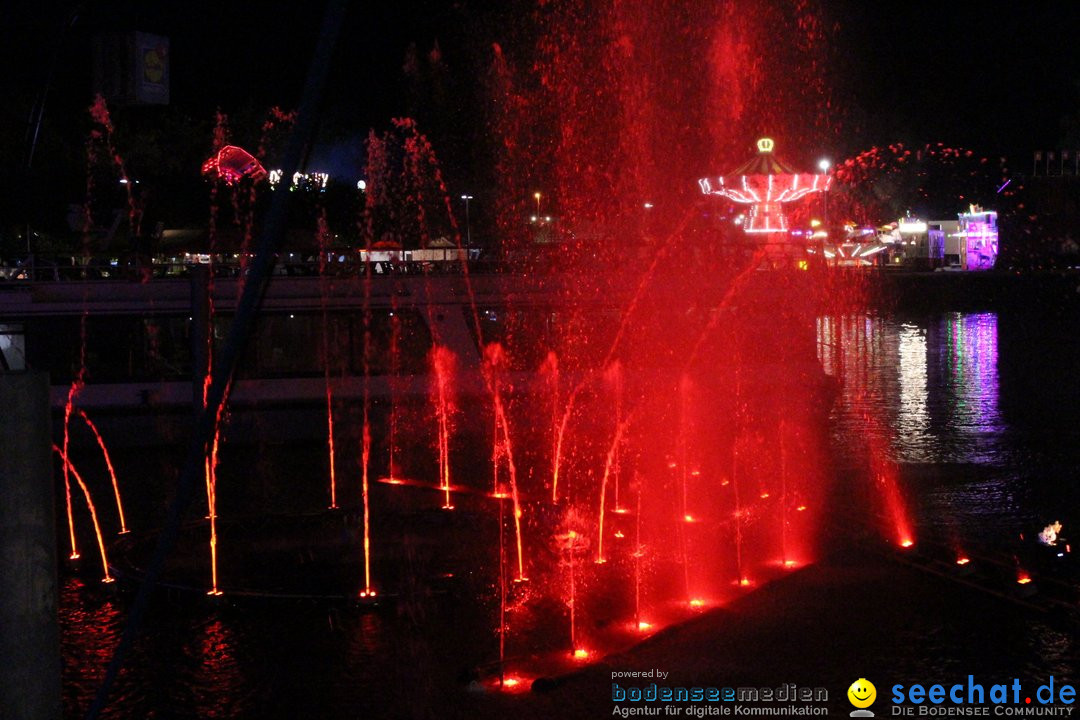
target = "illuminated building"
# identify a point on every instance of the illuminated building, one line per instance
(968, 243)
(975, 242)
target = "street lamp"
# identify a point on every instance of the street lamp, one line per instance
(468, 227)
(824, 166)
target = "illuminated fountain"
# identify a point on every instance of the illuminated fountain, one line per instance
(660, 362)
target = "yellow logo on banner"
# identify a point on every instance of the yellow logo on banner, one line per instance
(153, 66)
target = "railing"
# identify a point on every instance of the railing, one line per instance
(36, 269)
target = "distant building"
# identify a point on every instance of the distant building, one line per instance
(968, 243)
(974, 243)
(917, 243)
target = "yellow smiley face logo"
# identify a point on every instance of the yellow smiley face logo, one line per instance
(862, 693)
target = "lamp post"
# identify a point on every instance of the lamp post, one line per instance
(824, 166)
(468, 227)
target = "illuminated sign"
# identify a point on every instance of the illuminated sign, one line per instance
(912, 226)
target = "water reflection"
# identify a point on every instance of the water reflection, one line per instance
(969, 362)
(911, 419)
(932, 384)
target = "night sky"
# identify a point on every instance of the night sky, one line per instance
(1002, 78)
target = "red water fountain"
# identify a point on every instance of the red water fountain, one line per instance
(766, 184)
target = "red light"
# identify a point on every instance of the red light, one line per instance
(581, 654)
(512, 684)
(963, 560)
(906, 543)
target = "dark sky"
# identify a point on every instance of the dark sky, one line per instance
(1001, 77)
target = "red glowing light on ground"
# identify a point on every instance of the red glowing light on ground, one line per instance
(581, 654)
(764, 495)
(745, 582)
(619, 534)
(790, 564)
(697, 602)
(801, 508)
(907, 542)
(689, 518)
(963, 560)
(644, 626)
(620, 511)
(511, 684)
(1024, 579)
